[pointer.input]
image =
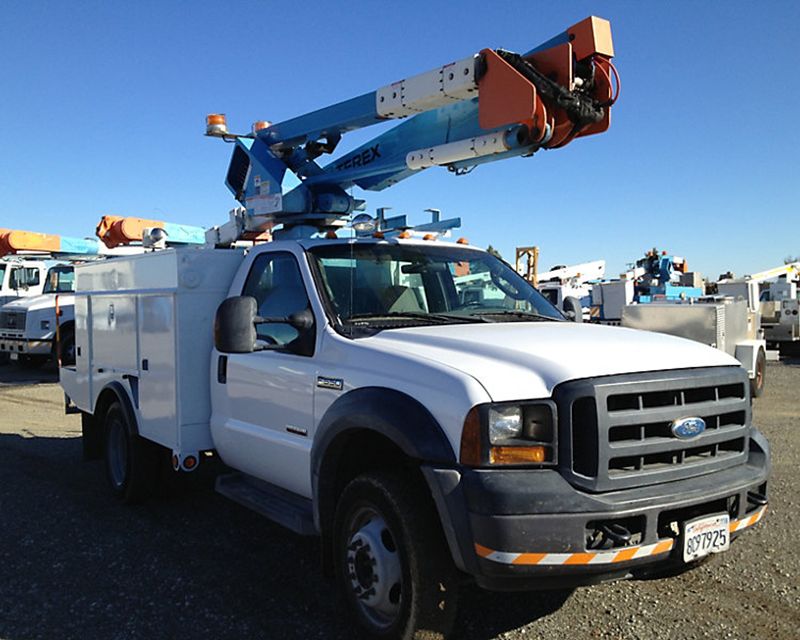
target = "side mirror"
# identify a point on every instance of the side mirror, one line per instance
(573, 309)
(234, 325)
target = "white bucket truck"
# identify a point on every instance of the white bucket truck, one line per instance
(427, 434)
(423, 440)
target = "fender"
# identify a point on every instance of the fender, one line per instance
(123, 396)
(390, 413)
(91, 425)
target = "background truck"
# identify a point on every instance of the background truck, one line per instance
(721, 322)
(569, 288)
(22, 276)
(772, 295)
(355, 393)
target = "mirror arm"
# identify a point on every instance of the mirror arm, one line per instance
(260, 319)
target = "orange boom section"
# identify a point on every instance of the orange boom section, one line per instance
(16, 241)
(115, 231)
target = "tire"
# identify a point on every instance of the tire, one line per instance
(131, 461)
(386, 532)
(573, 309)
(65, 347)
(758, 381)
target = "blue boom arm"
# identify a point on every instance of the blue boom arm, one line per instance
(487, 107)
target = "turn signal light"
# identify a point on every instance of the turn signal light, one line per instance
(471, 439)
(517, 455)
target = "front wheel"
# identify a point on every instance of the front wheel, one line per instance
(392, 563)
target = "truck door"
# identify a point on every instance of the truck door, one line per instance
(268, 428)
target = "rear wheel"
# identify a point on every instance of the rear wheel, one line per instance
(757, 382)
(131, 461)
(392, 563)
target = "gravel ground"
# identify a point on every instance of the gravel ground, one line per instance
(74, 563)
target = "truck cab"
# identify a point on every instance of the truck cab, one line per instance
(29, 325)
(21, 277)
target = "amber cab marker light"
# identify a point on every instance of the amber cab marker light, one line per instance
(216, 124)
(471, 439)
(462, 241)
(516, 455)
(404, 235)
(258, 125)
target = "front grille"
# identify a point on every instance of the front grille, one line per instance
(12, 320)
(617, 430)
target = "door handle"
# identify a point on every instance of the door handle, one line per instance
(222, 369)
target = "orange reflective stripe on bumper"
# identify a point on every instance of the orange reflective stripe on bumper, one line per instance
(599, 557)
(582, 558)
(749, 521)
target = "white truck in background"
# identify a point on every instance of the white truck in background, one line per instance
(569, 288)
(29, 324)
(22, 276)
(775, 302)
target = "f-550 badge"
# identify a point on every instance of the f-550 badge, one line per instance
(337, 384)
(686, 428)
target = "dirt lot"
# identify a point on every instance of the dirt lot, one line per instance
(74, 563)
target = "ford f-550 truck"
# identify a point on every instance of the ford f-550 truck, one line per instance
(428, 425)
(360, 396)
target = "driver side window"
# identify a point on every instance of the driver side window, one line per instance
(277, 285)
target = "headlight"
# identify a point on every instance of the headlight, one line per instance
(504, 423)
(522, 433)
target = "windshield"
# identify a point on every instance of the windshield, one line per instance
(382, 285)
(60, 280)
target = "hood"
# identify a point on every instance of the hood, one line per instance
(521, 360)
(37, 303)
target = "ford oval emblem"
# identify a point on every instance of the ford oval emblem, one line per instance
(686, 428)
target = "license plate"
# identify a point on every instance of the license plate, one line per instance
(709, 534)
(13, 356)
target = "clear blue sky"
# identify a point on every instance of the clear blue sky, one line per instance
(102, 106)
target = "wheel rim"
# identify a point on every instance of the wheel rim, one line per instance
(373, 566)
(759, 375)
(117, 452)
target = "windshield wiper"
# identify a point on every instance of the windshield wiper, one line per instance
(442, 318)
(518, 313)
